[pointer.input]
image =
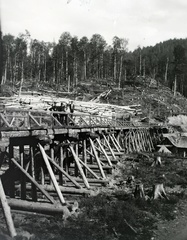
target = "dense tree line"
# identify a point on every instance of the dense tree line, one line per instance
(72, 60)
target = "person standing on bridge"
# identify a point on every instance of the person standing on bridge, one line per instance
(54, 108)
(71, 107)
(71, 110)
(63, 117)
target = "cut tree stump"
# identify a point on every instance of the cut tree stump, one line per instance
(139, 191)
(158, 191)
(157, 161)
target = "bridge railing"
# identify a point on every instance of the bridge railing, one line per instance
(24, 119)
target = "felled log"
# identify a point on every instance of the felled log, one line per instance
(158, 191)
(139, 191)
(68, 190)
(39, 207)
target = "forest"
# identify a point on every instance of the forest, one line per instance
(71, 61)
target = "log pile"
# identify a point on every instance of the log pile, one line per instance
(44, 102)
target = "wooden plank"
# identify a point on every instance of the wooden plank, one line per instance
(84, 154)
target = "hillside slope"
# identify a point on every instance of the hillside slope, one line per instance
(156, 100)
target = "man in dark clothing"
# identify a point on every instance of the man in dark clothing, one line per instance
(63, 117)
(71, 107)
(54, 108)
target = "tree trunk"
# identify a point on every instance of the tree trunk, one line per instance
(120, 71)
(125, 74)
(66, 66)
(45, 69)
(15, 70)
(21, 82)
(166, 71)
(62, 70)
(36, 206)
(139, 191)
(144, 68)
(85, 66)
(102, 66)
(75, 70)
(140, 63)
(54, 71)
(39, 70)
(5, 74)
(115, 68)
(175, 86)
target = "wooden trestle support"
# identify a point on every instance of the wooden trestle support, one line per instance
(46, 170)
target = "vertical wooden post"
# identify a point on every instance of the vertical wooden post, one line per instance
(67, 164)
(84, 155)
(42, 176)
(61, 159)
(12, 169)
(6, 211)
(23, 179)
(77, 153)
(34, 191)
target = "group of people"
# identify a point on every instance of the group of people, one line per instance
(64, 108)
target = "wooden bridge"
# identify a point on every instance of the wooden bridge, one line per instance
(24, 120)
(64, 154)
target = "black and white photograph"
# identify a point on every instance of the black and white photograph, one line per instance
(93, 120)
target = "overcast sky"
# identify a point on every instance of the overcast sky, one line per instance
(143, 22)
